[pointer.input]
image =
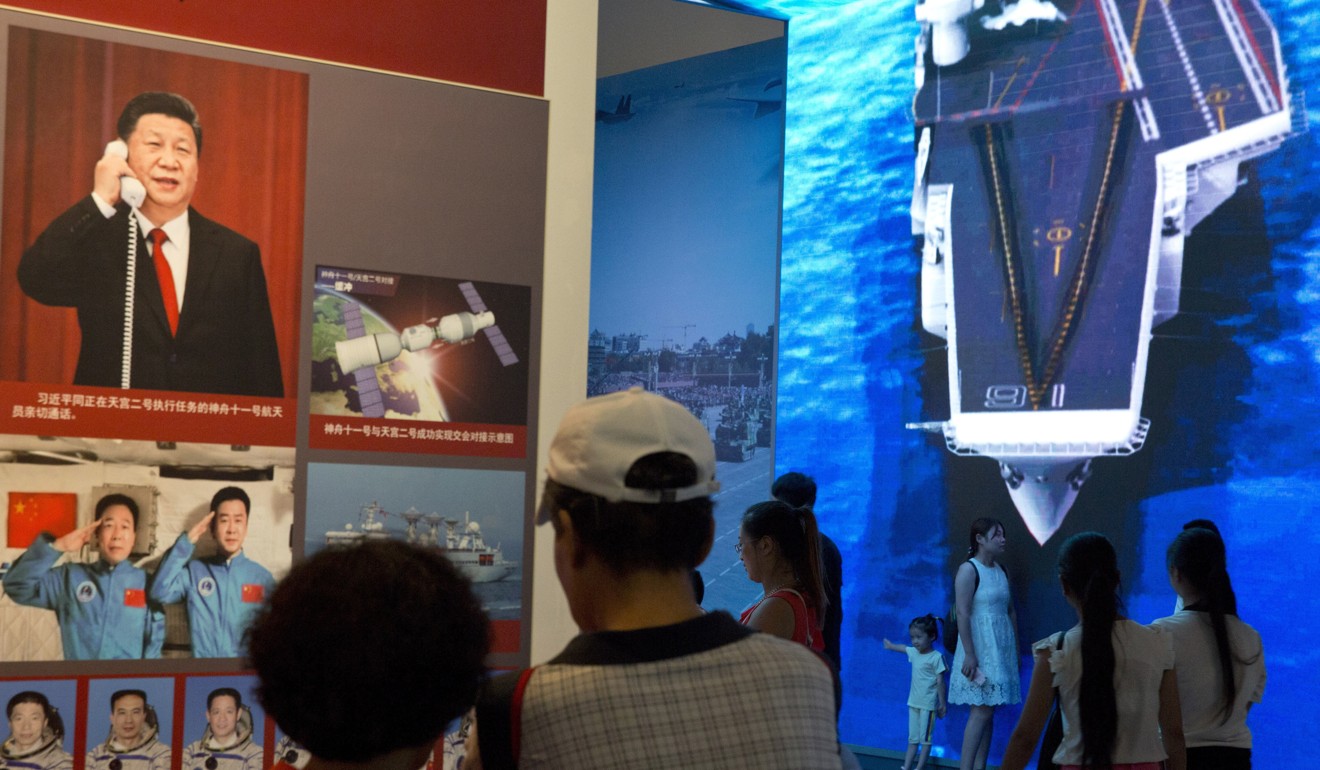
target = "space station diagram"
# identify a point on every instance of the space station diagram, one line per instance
(418, 363)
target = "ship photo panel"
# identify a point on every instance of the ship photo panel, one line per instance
(156, 575)
(475, 517)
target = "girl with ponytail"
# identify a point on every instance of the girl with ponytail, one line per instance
(779, 547)
(1220, 664)
(1113, 678)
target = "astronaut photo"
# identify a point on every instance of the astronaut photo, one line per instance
(36, 734)
(228, 742)
(133, 742)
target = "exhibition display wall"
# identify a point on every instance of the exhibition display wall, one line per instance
(370, 245)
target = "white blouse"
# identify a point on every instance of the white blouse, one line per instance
(1141, 656)
(1201, 684)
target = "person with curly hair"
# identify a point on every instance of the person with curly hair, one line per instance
(364, 654)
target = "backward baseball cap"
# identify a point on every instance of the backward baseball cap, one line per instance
(600, 439)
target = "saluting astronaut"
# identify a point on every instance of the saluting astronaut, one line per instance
(223, 591)
(36, 735)
(101, 606)
(132, 743)
(227, 742)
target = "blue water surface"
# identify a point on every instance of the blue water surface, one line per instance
(1232, 389)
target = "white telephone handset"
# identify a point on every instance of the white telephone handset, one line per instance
(133, 193)
(131, 190)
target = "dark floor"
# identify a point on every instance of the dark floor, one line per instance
(881, 759)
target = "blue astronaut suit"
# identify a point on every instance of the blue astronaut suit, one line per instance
(223, 596)
(103, 610)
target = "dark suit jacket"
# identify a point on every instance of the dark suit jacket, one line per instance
(226, 338)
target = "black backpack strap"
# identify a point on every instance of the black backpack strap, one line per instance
(1058, 646)
(499, 719)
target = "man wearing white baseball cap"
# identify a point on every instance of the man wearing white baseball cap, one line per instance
(652, 681)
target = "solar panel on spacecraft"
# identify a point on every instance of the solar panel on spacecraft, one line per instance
(368, 386)
(502, 348)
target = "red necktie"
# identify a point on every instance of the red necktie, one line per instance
(165, 277)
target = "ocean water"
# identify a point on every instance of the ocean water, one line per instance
(1232, 389)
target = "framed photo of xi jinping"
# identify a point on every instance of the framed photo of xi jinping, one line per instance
(91, 297)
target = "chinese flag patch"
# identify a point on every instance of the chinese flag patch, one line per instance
(253, 593)
(31, 513)
(135, 597)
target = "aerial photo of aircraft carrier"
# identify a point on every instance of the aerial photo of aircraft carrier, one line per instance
(1064, 152)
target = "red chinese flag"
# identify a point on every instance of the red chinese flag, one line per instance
(31, 513)
(135, 597)
(253, 593)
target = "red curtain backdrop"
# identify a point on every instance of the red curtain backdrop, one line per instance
(492, 43)
(63, 98)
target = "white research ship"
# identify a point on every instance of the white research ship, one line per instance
(464, 545)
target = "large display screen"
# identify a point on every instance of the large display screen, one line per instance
(1227, 388)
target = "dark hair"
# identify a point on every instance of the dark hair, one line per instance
(1088, 568)
(159, 103)
(698, 586)
(1203, 524)
(53, 719)
(231, 493)
(117, 499)
(225, 495)
(383, 628)
(220, 692)
(794, 532)
(628, 536)
(796, 489)
(117, 694)
(1198, 555)
(983, 527)
(927, 624)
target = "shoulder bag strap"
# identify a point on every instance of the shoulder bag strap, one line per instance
(499, 719)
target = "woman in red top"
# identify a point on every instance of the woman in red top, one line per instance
(780, 549)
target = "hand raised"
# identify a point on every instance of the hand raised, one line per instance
(109, 171)
(76, 539)
(200, 528)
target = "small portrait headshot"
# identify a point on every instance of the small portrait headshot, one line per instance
(134, 738)
(222, 591)
(36, 734)
(102, 606)
(229, 735)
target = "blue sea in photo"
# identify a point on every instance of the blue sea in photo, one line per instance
(1234, 402)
